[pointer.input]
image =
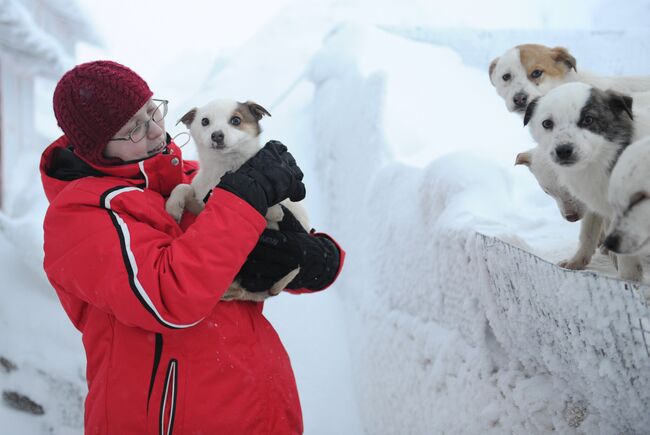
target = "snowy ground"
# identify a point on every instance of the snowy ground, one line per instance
(408, 154)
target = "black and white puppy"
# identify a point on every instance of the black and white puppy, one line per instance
(584, 130)
(226, 134)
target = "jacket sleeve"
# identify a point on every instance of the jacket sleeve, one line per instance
(338, 272)
(151, 276)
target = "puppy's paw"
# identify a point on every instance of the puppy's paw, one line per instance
(175, 209)
(274, 214)
(630, 268)
(238, 293)
(177, 199)
(194, 206)
(575, 263)
(283, 282)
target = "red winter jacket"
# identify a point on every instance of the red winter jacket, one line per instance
(163, 354)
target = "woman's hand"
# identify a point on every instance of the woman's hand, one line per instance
(267, 178)
(279, 252)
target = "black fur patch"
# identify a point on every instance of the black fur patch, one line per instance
(611, 115)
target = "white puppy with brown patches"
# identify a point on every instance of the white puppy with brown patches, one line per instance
(629, 195)
(528, 71)
(226, 134)
(584, 130)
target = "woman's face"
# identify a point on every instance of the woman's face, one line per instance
(152, 142)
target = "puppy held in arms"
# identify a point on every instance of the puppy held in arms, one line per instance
(226, 134)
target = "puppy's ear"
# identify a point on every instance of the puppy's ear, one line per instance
(562, 55)
(620, 103)
(523, 159)
(493, 65)
(188, 117)
(530, 111)
(257, 110)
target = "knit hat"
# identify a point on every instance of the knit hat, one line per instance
(93, 101)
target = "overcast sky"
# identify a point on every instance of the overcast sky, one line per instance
(146, 35)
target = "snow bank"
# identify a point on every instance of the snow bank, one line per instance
(45, 350)
(454, 331)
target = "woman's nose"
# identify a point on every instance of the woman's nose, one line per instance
(155, 130)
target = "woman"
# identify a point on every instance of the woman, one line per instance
(163, 353)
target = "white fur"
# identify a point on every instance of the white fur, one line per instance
(215, 160)
(630, 180)
(510, 63)
(239, 145)
(588, 178)
(571, 208)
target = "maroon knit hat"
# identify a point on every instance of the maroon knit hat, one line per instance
(93, 101)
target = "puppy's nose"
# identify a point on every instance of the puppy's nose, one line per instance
(564, 151)
(573, 217)
(612, 242)
(520, 99)
(217, 136)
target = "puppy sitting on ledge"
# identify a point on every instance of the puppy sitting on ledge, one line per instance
(226, 134)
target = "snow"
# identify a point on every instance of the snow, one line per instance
(450, 316)
(461, 333)
(26, 45)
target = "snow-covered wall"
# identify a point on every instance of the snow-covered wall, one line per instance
(454, 331)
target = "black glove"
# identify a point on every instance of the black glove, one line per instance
(267, 178)
(279, 252)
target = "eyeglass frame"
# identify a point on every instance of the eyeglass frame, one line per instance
(146, 123)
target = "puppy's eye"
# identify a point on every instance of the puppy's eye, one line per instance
(506, 77)
(235, 120)
(587, 120)
(205, 121)
(637, 198)
(547, 124)
(536, 73)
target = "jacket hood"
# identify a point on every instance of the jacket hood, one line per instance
(60, 166)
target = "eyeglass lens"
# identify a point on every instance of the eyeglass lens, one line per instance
(141, 130)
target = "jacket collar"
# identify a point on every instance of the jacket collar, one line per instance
(60, 166)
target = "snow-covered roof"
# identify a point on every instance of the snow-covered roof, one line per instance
(73, 21)
(26, 45)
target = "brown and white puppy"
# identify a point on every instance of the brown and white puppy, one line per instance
(226, 134)
(528, 71)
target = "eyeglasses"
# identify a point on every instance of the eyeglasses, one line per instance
(140, 131)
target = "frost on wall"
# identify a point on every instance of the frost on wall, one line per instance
(590, 331)
(454, 331)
